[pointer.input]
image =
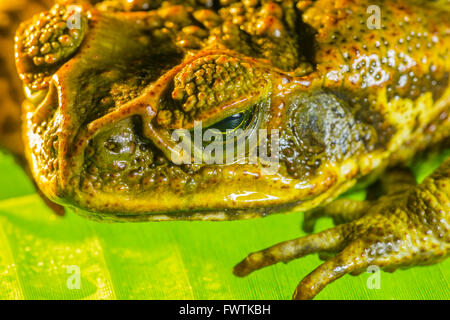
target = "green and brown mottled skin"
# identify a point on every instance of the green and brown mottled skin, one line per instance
(349, 102)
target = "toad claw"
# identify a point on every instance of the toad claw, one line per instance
(398, 230)
(289, 250)
(347, 261)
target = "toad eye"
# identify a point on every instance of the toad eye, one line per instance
(237, 121)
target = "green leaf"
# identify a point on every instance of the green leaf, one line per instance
(168, 260)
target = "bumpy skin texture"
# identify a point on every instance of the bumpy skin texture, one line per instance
(12, 13)
(102, 101)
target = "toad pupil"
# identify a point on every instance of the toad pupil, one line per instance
(232, 123)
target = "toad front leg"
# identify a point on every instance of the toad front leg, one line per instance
(408, 226)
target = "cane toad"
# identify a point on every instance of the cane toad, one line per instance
(107, 84)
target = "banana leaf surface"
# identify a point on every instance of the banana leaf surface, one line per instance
(40, 253)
